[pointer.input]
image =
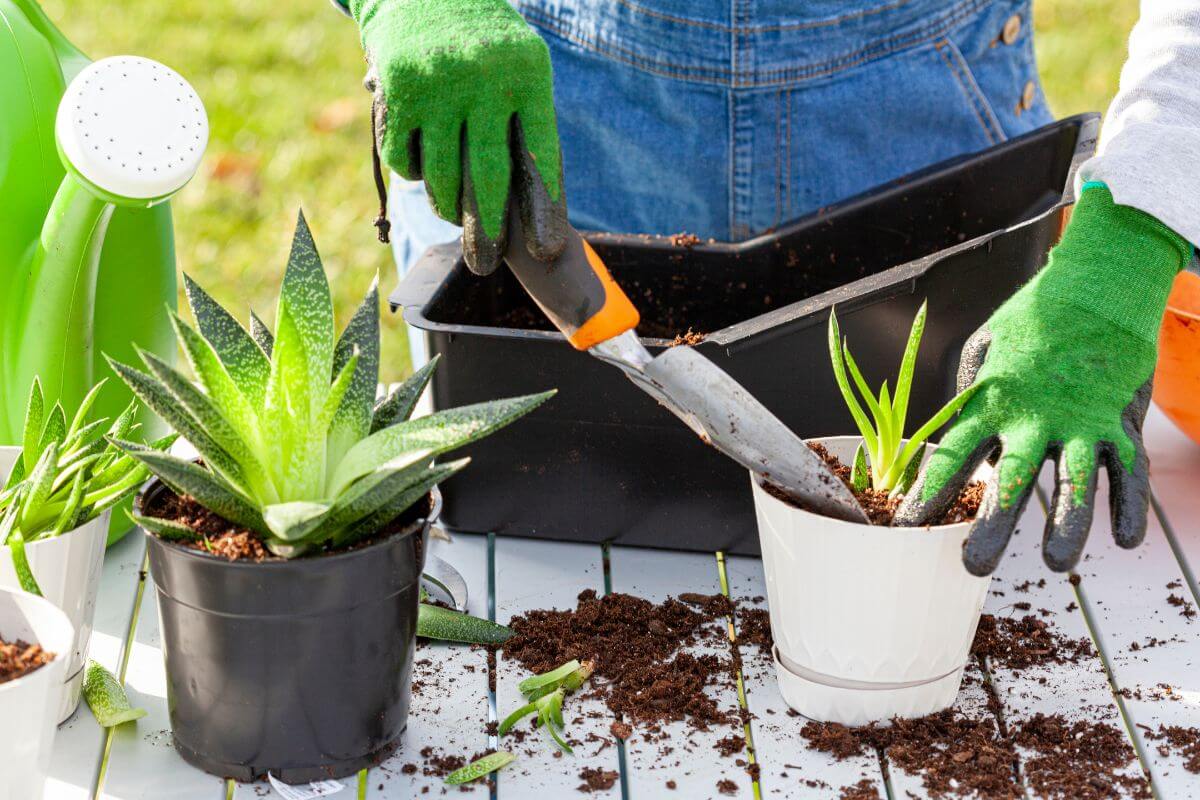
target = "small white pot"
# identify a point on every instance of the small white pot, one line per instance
(870, 622)
(29, 705)
(67, 569)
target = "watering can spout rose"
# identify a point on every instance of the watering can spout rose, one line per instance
(86, 254)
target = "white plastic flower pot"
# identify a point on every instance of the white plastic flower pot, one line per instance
(870, 622)
(67, 569)
(29, 705)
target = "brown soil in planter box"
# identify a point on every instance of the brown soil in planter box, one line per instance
(224, 539)
(19, 658)
(879, 506)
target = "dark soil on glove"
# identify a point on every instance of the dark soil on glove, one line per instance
(879, 506)
(18, 658)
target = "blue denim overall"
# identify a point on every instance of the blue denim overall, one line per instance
(726, 118)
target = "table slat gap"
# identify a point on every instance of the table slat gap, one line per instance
(735, 654)
(1185, 568)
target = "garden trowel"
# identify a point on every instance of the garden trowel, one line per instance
(580, 297)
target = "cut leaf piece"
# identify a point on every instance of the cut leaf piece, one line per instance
(480, 767)
(443, 624)
(106, 697)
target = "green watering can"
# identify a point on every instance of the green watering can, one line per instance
(87, 257)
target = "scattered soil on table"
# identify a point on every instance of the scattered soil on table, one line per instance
(863, 790)
(726, 786)
(1187, 609)
(754, 628)
(957, 756)
(879, 506)
(643, 672)
(224, 539)
(596, 779)
(19, 658)
(1021, 642)
(1177, 740)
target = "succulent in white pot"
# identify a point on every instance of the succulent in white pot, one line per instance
(60, 487)
(35, 643)
(870, 621)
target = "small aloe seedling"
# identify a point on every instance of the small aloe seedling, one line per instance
(66, 475)
(545, 694)
(884, 461)
(294, 446)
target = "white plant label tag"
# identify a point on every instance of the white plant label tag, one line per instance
(305, 791)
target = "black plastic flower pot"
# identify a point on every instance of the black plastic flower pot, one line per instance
(301, 668)
(601, 461)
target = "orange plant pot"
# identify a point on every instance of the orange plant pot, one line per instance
(1177, 379)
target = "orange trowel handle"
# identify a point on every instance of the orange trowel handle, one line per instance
(576, 292)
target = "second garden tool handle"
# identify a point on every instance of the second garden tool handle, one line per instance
(575, 291)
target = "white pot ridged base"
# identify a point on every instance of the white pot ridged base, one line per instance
(29, 705)
(869, 622)
(67, 569)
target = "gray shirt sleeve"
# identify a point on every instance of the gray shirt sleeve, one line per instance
(1149, 152)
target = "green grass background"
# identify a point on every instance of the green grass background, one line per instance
(282, 85)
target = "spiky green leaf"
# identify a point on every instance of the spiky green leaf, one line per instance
(187, 477)
(217, 382)
(843, 383)
(261, 334)
(352, 421)
(305, 296)
(167, 529)
(159, 400)
(439, 433)
(35, 410)
(243, 358)
(860, 474)
(376, 521)
(908, 365)
(398, 406)
(56, 428)
(85, 408)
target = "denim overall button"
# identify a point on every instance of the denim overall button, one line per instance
(1028, 96)
(1012, 29)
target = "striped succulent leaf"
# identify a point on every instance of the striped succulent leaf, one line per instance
(292, 444)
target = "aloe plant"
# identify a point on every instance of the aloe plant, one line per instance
(67, 475)
(294, 446)
(885, 461)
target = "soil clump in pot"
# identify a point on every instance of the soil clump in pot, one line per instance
(19, 658)
(224, 539)
(879, 506)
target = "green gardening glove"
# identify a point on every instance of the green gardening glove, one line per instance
(1067, 365)
(464, 98)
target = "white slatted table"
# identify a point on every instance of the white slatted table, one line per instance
(1120, 600)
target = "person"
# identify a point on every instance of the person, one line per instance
(725, 119)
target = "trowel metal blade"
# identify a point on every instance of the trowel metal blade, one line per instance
(724, 414)
(440, 578)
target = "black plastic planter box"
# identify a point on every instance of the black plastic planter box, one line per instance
(603, 462)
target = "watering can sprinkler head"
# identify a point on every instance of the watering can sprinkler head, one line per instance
(131, 130)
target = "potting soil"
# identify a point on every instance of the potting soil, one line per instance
(879, 505)
(19, 658)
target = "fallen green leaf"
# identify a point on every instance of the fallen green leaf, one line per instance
(106, 697)
(483, 766)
